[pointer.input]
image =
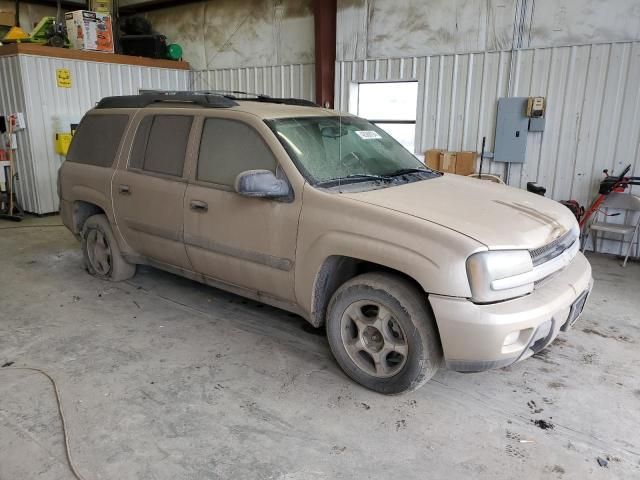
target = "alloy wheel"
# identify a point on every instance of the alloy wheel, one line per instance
(99, 252)
(374, 339)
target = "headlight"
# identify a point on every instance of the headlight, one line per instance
(488, 271)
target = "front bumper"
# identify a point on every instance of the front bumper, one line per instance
(473, 336)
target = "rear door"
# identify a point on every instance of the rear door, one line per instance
(148, 191)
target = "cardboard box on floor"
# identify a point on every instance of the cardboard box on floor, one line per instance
(460, 163)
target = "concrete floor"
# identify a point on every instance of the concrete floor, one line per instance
(163, 378)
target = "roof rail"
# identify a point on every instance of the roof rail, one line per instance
(301, 102)
(144, 100)
(224, 93)
(233, 95)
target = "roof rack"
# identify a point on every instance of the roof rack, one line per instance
(301, 102)
(233, 95)
(146, 99)
(224, 93)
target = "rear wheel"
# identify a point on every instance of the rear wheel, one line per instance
(102, 255)
(383, 334)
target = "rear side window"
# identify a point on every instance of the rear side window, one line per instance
(97, 140)
(160, 144)
(229, 147)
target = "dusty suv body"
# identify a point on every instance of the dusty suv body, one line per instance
(406, 266)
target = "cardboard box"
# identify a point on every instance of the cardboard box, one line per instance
(89, 31)
(460, 163)
(101, 6)
(465, 163)
(7, 17)
(432, 158)
(448, 162)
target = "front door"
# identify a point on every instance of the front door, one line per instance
(247, 242)
(148, 192)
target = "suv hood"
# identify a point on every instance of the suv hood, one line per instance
(498, 216)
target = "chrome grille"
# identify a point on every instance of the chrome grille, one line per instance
(553, 249)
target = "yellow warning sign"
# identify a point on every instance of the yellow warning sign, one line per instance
(63, 77)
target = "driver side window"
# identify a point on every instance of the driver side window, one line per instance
(230, 147)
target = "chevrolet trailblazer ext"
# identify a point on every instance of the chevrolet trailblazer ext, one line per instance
(329, 217)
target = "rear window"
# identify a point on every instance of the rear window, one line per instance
(97, 140)
(160, 144)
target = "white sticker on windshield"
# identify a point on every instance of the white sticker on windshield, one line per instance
(368, 134)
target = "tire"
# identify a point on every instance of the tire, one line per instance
(101, 252)
(383, 334)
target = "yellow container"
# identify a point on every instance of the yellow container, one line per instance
(63, 140)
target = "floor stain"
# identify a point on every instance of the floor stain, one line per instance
(622, 338)
(514, 451)
(543, 424)
(533, 407)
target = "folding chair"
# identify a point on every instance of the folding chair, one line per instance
(617, 201)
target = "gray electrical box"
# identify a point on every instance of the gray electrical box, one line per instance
(536, 124)
(512, 127)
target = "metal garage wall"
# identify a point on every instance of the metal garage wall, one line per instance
(12, 99)
(277, 81)
(593, 107)
(37, 166)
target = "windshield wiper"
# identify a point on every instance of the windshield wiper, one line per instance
(355, 176)
(367, 175)
(404, 171)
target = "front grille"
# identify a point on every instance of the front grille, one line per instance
(552, 250)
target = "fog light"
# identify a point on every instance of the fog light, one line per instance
(511, 338)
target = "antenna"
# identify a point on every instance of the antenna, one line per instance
(340, 150)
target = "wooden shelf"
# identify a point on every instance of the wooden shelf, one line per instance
(44, 51)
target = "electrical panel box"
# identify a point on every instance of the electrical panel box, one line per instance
(512, 126)
(536, 124)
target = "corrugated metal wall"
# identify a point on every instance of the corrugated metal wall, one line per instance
(37, 94)
(12, 99)
(592, 119)
(296, 80)
(593, 107)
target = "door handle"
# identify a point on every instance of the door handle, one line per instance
(124, 189)
(199, 205)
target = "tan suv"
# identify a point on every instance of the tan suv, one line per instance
(327, 216)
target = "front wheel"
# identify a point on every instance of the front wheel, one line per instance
(101, 253)
(383, 334)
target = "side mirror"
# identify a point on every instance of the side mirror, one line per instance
(262, 184)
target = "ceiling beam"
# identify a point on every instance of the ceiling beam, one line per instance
(138, 7)
(65, 4)
(148, 5)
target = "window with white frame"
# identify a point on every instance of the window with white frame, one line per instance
(392, 106)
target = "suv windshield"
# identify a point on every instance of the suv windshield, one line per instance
(338, 150)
